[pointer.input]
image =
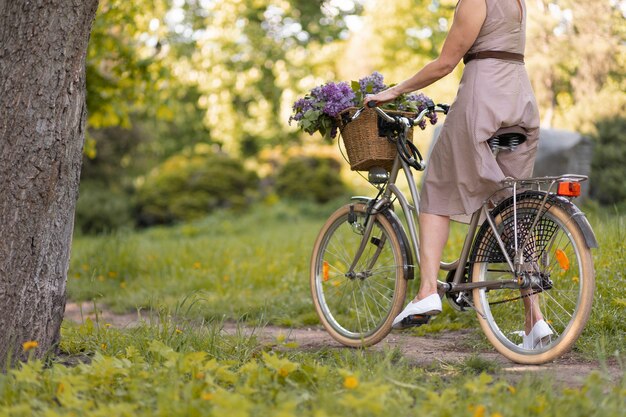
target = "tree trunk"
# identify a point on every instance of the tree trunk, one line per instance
(43, 45)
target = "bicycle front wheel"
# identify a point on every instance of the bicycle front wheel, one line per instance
(559, 264)
(357, 306)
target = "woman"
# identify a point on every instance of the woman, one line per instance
(494, 92)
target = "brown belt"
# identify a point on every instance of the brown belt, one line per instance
(509, 56)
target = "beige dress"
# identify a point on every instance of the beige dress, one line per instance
(462, 171)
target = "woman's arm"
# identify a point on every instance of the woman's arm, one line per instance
(468, 20)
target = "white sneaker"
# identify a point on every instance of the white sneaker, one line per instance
(540, 335)
(428, 306)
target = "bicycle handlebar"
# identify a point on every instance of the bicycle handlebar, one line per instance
(431, 108)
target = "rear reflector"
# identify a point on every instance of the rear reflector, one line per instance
(569, 189)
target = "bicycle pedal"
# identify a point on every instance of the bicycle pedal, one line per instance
(414, 320)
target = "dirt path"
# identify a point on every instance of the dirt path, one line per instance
(448, 347)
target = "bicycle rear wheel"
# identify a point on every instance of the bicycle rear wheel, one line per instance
(358, 309)
(559, 263)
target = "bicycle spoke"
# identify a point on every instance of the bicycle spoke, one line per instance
(367, 310)
(381, 308)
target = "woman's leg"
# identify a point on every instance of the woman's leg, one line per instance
(434, 231)
(532, 310)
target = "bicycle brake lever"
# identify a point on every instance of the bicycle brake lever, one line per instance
(357, 113)
(445, 107)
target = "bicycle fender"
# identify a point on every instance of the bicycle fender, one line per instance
(392, 217)
(578, 217)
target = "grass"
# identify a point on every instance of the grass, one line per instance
(176, 368)
(253, 268)
(242, 266)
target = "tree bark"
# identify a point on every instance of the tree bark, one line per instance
(43, 45)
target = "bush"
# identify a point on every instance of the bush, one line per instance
(608, 167)
(188, 187)
(100, 209)
(310, 178)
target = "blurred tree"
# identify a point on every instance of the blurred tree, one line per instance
(127, 69)
(576, 58)
(249, 57)
(398, 38)
(575, 53)
(178, 70)
(140, 112)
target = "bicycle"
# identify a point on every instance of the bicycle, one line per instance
(535, 243)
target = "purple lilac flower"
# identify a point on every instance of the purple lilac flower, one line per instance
(372, 84)
(336, 97)
(300, 107)
(417, 102)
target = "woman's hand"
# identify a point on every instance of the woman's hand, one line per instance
(383, 97)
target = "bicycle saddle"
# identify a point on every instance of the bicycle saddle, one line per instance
(507, 138)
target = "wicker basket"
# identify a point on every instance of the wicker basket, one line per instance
(364, 147)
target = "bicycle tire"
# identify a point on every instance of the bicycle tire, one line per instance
(558, 250)
(359, 312)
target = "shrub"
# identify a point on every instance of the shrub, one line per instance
(101, 209)
(310, 178)
(608, 167)
(187, 187)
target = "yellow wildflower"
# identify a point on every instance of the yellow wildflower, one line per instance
(350, 382)
(479, 411)
(103, 346)
(31, 344)
(122, 284)
(197, 265)
(178, 331)
(207, 396)
(284, 372)
(113, 274)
